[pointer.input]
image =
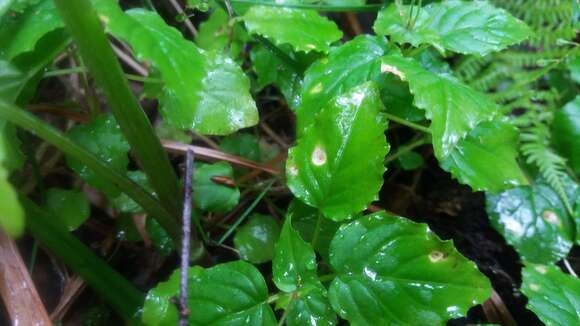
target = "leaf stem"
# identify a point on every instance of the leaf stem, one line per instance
(323, 8)
(316, 229)
(29, 122)
(246, 212)
(404, 122)
(80, 69)
(406, 148)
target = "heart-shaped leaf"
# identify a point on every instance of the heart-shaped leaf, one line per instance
(453, 108)
(211, 196)
(486, 158)
(305, 30)
(460, 26)
(255, 240)
(553, 295)
(337, 165)
(534, 220)
(227, 294)
(393, 271)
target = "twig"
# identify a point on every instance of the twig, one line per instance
(273, 135)
(187, 22)
(208, 153)
(129, 61)
(569, 268)
(183, 310)
(20, 297)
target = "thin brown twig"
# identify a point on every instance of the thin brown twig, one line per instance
(185, 241)
(273, 135)
(186, 20)
(207, 153)
(19, 293)
(127, 59)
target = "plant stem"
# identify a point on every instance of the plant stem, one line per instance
(185, 239)
(404, 122)
(121, 295)
(406, 148)
(85, 28)
(316, 230)
(323, 8)
(246, 212)
(29, 122)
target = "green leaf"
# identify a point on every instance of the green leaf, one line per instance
(272, 70)
(255, 240)
(214, 34)
(211, 196)
(227, 294)
(242, 144)
(294, 270)
(553, 295)
(349, 65)
(566, 133)
(19, 32)
(410, 161)
(159, 237)
(310, 306)
(294, 263)
(71, 207)
(464, 27)
(11, 213)
(486, 158)
(394, 271)
(11, 81)
(305, 220)
(204, 91)
(305, 30)
(337, 166)
(534, 220)
(124, 203)
(11, 157)
(574, 67)
(201, 5)
(103, 137)
(453, 108)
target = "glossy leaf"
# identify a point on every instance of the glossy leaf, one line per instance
(310, 306)
(19, 32)
(574, 67)
(295, 270)
(533, 219)
(11, 213)
(305, 220)
(159, 237)
(255, 240)
(103, 137)
(337, 166)
(346, 66)
(227, 294)
(453, 108)
(214, 34)
(553, 295)
(394, 271)
(566, 133)
(486, 158)
(460, 26)
(272, 70)
(71, 207)
(124, 203)
(204, 91)
(211, 196)
(294, 264)
(305, 30)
